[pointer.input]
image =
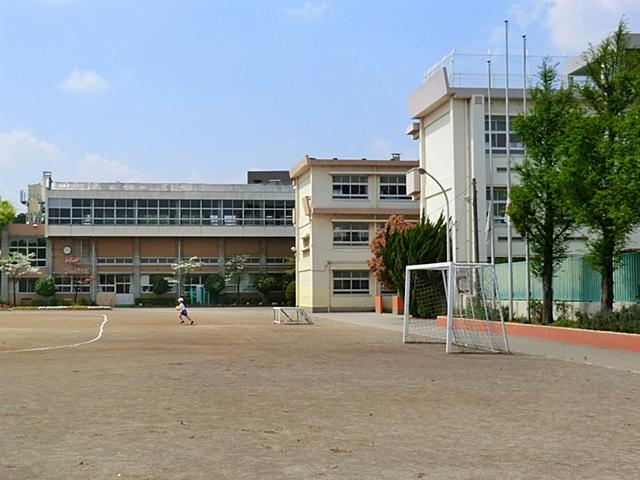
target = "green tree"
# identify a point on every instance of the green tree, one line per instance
(7, 213)
(235, 269)
(46, 286)
(290, 294)
(159, 285)
(602, 177)
(17, 265)
(265, 284)
(184, 269)
(215, 284)
(21, 218)
(539, 208)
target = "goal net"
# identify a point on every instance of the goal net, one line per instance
(456, 304)
(291, 316)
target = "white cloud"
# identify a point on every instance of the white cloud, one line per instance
(573, 25)
(84, 81)
(95, 167)
(23, 157)
(309, 10)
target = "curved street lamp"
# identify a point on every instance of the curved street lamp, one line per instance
(423, 171)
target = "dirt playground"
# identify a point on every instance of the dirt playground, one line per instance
(236, 397)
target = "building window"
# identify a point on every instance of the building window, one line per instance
(350, 186)
(66, 284)
(277, 260)
(100, 211)
(114, 260)
(146, 282)
(247, 284)
(350, 234)
(393, 187)
(348, 282)
(27, 285)
(115, 283)
(157, 260)
(499, 135)
(499, 203)
(35, 246)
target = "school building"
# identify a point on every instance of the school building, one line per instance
(122, 234)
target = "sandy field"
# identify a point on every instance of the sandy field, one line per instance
(236, 397)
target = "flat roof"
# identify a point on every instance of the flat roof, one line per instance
(170, 187)
(307, 162)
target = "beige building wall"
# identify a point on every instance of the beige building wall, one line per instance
(318, 258)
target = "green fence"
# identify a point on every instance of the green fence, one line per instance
(575, 281)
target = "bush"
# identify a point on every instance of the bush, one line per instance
(155, 301)
(160, 285)
(265, 284)
(290, 294)
(625, 320)
(215, 284)
(45, 286)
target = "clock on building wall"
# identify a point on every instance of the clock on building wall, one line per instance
(66, 250)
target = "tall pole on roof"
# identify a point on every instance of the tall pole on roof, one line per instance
(524, 112)
(491, 168)
(508, 151)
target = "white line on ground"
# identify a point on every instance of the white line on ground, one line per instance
(37, 349)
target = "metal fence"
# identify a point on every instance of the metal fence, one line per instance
(575, 281)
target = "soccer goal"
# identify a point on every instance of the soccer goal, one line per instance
(291, 316)
(456, 304)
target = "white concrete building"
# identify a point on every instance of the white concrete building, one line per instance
(339, 206)
(450, 119)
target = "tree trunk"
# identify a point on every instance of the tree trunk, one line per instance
(547, 292)
(15, 284)
(606, 274)
(606, 287)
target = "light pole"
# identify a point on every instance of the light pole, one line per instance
(423, 171)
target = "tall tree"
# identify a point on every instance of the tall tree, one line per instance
(539, 209)
(235, 269)
(17, 265)
(78, 273)
(603, 172)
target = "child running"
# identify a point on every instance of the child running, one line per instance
(183, 312)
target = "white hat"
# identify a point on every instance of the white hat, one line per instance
(181, 299)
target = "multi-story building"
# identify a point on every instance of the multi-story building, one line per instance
(121, 234)
(452, 118)
(339, 206)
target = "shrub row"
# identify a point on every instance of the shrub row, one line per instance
(626, 320)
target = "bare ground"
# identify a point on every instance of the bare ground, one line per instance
(235, 397)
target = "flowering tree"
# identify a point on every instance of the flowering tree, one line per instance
(184, 269)
(79, 273)
(16, 265)
(395, 223)
(235, 270)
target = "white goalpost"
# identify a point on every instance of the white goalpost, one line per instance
(455, 304)
(291, 316)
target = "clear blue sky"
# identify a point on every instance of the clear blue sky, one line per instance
(201, 91)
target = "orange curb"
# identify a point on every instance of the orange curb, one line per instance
(628, 342)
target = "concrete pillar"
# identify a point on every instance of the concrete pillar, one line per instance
(4, 280)
(49, 256)
(136, 288)
(263, 254)
(93, 286)
(221, 259)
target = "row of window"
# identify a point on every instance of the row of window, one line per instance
(345, 282)
(499, 135)
(356, 187)
(87, 211)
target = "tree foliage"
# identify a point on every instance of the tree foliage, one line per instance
(184, 269)
(235, 269)
(46, 286)
(215, 284)
(17, 265)
(7, 213)
(401, 244)
(602, 178)
(79, 274)
(539, 208)
(159, 285)
(265, 284)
